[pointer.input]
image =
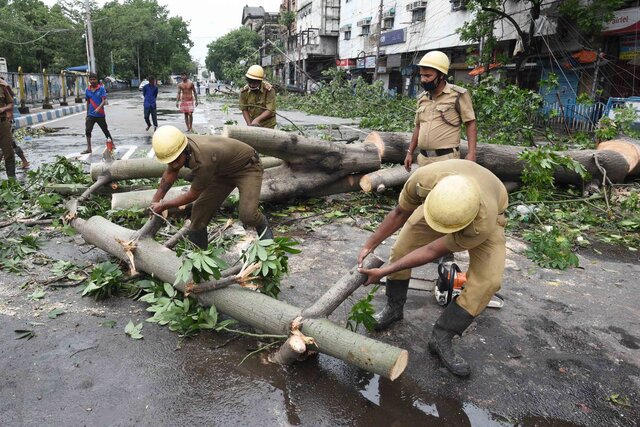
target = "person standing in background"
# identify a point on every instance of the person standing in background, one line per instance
(150, 94)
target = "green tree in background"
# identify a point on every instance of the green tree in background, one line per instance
(225, 54)
(133, 32)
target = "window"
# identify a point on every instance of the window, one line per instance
(418, 15)
(347, 35)
(365, 30)
(387, 23)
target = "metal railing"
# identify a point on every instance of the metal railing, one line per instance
(574, 117)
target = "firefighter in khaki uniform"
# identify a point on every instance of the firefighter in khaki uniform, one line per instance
(442, 109)
(258, 99)
(6, 138)
(449, 206)
(218, 165)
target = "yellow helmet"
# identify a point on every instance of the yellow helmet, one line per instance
(168, 143)
(452, 204)
(255, 72)
(435, 59)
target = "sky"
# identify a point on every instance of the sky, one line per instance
(208, 19)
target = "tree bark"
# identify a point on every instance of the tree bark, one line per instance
(307, 154)
(253, 308)
(133, 169)
(77, 189)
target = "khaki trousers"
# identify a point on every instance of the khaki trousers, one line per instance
(486, 261)
(6, 145)
(248, 181)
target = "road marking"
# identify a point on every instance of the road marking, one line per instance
(67, 117)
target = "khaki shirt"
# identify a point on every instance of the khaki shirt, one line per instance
(214, 157)
(256, 101)
(6, 98)
(494, 199)
(436, 133)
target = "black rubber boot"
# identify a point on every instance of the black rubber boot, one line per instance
(199, 238)
(263, 229)
(453, 321)
(396, 292)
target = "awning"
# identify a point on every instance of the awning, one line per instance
(481, 69)
(579, 58)
(624, 21)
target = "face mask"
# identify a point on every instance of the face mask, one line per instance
(430, 86)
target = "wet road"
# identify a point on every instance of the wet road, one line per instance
(562, 345)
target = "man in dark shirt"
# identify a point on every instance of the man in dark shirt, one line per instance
(150, 93)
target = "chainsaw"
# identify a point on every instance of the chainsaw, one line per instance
(451, 281)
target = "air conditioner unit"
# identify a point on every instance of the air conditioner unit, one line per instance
(363, 22)
(389, 14)
(387, 24)
(458, 5)
(416, 5)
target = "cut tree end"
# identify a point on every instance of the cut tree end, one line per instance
(375, 139)
(401, 364)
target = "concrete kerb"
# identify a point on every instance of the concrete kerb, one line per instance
(45, 116)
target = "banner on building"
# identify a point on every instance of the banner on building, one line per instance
(392, 37)
(625, 21)
(629, 47)
(345, 63)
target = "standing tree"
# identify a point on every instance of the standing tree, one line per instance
(225, 54)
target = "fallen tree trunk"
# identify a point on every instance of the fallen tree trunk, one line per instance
(503, 161)
(77, 189)
(307, 154)
(150, 168)
(252, 308)
(142, 199)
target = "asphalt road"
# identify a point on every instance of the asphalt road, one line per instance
(564, 343)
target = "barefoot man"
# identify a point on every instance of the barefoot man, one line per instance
(187, 100)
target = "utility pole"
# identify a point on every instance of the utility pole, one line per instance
(375, 65)
(92, 58)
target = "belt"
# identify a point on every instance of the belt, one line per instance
(438, 153)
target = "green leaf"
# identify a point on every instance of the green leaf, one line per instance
(108, 324)
(169, 290)
(37, 294)
(55, 313)
(134, 331)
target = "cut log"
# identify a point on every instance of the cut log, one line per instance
(630, 150)
(379, 181)
(290, 351)
(277, 192)
(77, 189)
(252, 308)
(133, 169)
(503, 161)
(307, 154)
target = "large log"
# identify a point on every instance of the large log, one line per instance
(142, 199)
(503, 161)
(307, 154)
(252, 308)
(149, 168)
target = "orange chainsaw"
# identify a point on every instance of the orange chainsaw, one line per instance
(451, 281)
